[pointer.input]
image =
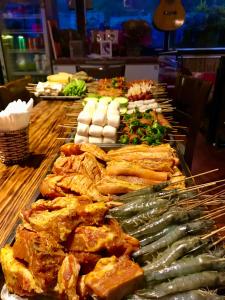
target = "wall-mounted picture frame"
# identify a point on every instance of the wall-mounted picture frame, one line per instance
(106, 48)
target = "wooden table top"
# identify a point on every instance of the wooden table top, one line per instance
(20, 183)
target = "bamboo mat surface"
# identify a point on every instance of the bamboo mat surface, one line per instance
(19, 184)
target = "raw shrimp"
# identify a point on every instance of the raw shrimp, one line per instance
(218, 252)
(176, 251)
(189, 265)
(190, 295)
(145, 217)
(152, 238)
(209, 279)
(144, 202)
(129, 209)
(169, 194)
(149, 190)
(168, 218)
(173, 236)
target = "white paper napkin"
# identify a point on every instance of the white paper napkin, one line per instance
(16, 115)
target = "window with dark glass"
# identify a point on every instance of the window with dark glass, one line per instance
(204, 25)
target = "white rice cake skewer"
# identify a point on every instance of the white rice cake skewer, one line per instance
(95, 130)
(79, 139)
(107, 140)
(99, 118)
(84, 117)
(109, 131)
(95, 140)
(82, 129)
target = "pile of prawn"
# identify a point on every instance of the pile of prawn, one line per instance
(178, 250)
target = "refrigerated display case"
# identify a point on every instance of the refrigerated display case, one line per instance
(24, 41)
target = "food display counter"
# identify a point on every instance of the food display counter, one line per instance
(104, 222)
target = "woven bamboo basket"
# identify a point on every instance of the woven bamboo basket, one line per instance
(14, 146)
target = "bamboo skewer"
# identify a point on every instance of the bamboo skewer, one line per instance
(66, 126)
(213, 232)
(218, 216)
(166, 140)
(178, 126)
(71, 115)
(65, 138)
(213, 214)
(201, 174)
(217, 242)
(202, 193)
(212, 211)
(203, 201)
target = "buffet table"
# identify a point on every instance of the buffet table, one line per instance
(20, 183)
(69, 233)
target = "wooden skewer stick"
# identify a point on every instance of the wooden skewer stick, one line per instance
(218, 216)
(216, 210)
(203, 173)
(204, 192)
(72, 108)
(200, 186)
(218, 241)
(204, 201)
(173, 140)
(197, 175)
(66, 126)
(213, 232)
(178, 126)
(65, 138)
(70, 123)
(165, 104)
(214, 214)
(71, 115)
(215, 202)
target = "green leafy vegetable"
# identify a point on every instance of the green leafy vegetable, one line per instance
(76, 87)
(124, 139)
(136, 141)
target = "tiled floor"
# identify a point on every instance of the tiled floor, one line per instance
(208, 157)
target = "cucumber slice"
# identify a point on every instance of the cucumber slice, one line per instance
(123, 101)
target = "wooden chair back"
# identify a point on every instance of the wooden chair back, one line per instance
(99, 71)
(191, 96)
(14, 90)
